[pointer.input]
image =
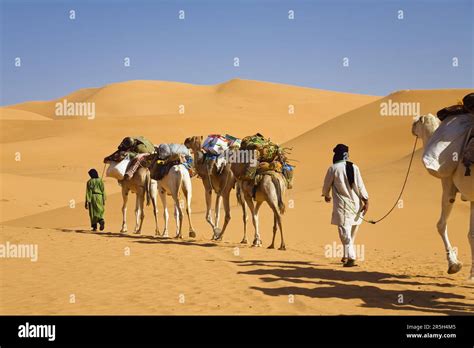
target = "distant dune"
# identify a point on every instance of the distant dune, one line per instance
(223, 106)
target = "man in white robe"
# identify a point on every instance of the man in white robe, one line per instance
(350, 200)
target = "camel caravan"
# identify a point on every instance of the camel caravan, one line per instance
(254, 166)
(259, 171)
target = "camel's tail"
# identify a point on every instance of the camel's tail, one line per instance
(148, 187)
(279, 192)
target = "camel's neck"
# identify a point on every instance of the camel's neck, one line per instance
(425, 138)
(427, 134)
(196, 155)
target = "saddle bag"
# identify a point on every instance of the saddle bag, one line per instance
(443, 152)
(117, 170)
(215, 144)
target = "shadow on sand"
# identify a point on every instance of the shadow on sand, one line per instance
(313, 281)
(147, 239)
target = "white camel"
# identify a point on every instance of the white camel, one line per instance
(177, 180)
(142, 186)
(424, 127)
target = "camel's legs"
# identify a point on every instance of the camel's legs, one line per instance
(165, 212)
(178, 215)
(244, 218)
(471, 240)
(226, 201)
(208, 194)
(188, 194)
(254, 210)
(280, 226)
(153, 193)
(448, 197)
(276, 223)
(275, 227)
(139, 210)
(218, 209)
(124, 209)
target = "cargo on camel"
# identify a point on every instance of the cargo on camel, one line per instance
(169, 155)
(270, 158)
(130, 155)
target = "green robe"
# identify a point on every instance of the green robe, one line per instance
(95, 199)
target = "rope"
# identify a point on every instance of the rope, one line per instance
(399, 196)
(103, 171)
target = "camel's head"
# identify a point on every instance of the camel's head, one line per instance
(193, 143)
(424, 126)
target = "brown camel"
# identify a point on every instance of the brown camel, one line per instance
(271, 189)
(220, 181)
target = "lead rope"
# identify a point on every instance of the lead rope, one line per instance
(399, 196)
(103, 171)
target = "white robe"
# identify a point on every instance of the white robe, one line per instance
(347, 201)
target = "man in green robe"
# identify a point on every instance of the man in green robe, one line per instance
(95, 200)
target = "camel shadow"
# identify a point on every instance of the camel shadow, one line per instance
(142, 238)
(313, 282)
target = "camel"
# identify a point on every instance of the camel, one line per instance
(220, 181)
(142, 185)
(424, 127)
(271, 189)
(177, 180)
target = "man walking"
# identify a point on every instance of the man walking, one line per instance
(95, 200)
(350, 200)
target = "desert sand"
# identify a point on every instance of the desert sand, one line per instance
(45, 159)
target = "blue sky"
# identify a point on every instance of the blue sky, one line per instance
(60, 55)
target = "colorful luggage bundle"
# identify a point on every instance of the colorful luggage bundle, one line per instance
(215, 144)
(270, 158)
(267, 150)
(288, 171)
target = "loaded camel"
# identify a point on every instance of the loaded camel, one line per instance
(271, 189)
(424, 127)
(220, 181)
(142, 185)
(176, 181)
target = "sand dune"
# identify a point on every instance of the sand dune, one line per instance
(403, 254)
(20, 115)
(223, 106)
